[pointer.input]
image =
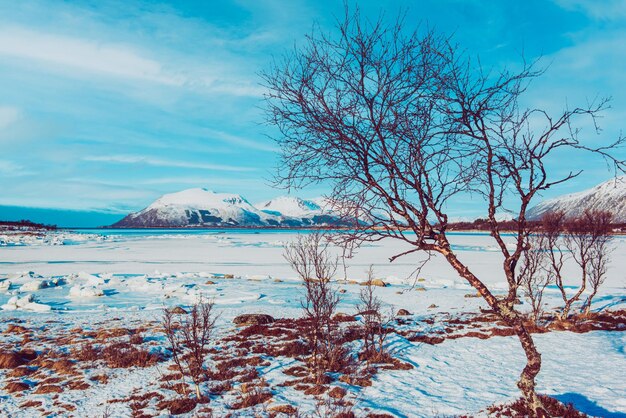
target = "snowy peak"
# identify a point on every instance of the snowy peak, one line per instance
(201, 207)
(201, 198)
(290, 206)
(198, 207)
(608, 196)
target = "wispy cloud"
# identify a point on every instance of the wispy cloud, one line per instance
(97, 57)
(240, 141)
(602, 10)
(8, 116)
(160, 162)
(12, 169)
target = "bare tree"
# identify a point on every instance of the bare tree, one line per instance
(583, 241)
(534, 275)
(375, 322)
(188, 336)
(400, 124)
(589, 240)
(310, 257)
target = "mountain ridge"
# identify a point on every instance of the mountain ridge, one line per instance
(607, 196)
(201, 207)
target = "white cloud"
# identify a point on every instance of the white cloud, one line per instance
(241, 141)
(123, 61)
(12, 169)
(597, 9)
(8, 116)
(87, 55)
(136, 159)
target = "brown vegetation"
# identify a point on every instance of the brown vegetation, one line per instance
(309, 256)
(16, 386)
(188, 337)
(178, 406)
(519, 408)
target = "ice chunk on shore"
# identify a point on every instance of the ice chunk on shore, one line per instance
(33, 286)
(90, 279)
(78, 292)
(259, 277)
(26, 303)
(5, 285)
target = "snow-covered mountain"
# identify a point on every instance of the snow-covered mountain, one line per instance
(609, 196)
(201, 207)
(300, 212)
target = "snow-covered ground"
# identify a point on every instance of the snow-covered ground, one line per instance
(129, 276)
(13, 238)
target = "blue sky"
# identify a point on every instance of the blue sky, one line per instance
(105, 105)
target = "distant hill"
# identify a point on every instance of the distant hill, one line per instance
(609, 196)
(59, 217)
(204, 208)
(24, 224)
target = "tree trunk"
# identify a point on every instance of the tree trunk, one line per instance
(587, 306)
(568, 304)
(526, 383)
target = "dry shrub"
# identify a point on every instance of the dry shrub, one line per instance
(297, 371)
(252, 397)
(171, 376)
(41, 389)
(105, 334)
(62, 366)
(178, 406)
(124, 355)
(78, 384)
(100, 378)
(136, 339)
(139, 398)
(376, 324)
(221, 387)
(363, 380)
(21, 371)
(310, 257)
(87, 352)
(520, 409)
(274, 410)
(316, 390)
(336, 408)
(31, 404)
(180, 387)
(189, 339)
(16, 329)
(13, 387)
(248, 375)
(51, 381)
(289, 349)
(13, 359)
(66, 406)
(432, 340)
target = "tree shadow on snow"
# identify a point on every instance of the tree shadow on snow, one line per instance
(587, 406)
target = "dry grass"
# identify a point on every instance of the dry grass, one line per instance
(13, 359)
(15, 386)
(519, 409)
(178, 406)
(124, 355)
(42, 389)
(251, 397)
